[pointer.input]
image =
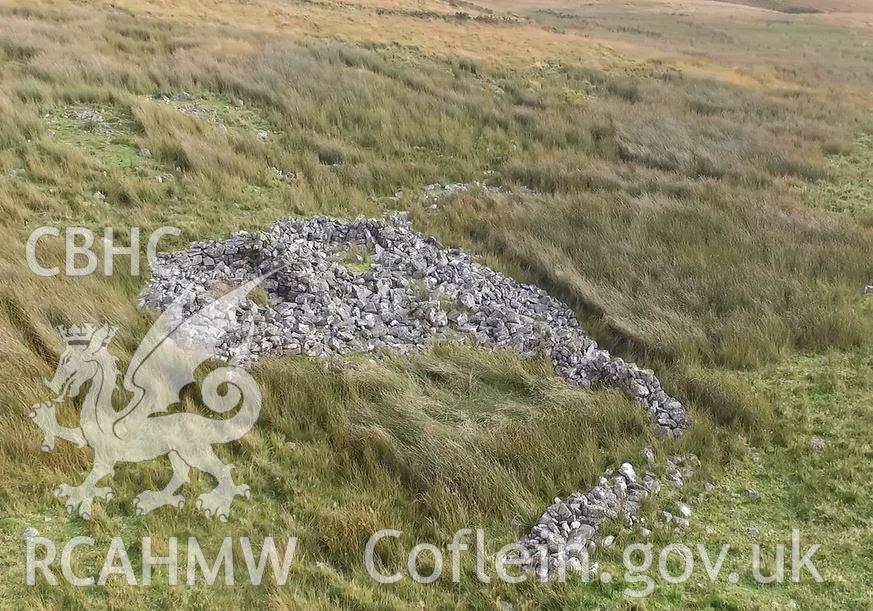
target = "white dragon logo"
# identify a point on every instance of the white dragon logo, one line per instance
(163, 364)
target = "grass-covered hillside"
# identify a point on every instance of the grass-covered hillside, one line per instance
(693, 180)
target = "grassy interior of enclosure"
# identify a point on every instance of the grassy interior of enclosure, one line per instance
(703, 211)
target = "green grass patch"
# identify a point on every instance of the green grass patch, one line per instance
(220, 110)
(849, 189)
(106, 134)
(357, 258)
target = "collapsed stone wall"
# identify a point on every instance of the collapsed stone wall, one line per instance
(570, 530)
(370, 285)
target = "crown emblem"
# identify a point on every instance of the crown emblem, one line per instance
(77, 335)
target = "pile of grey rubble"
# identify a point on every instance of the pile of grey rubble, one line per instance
(369, 286)
(569, 531)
